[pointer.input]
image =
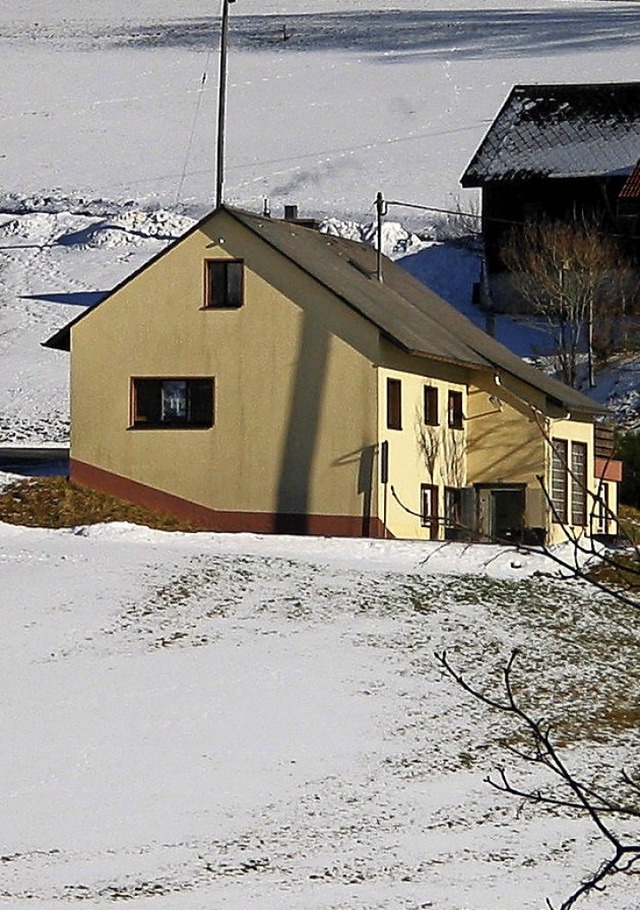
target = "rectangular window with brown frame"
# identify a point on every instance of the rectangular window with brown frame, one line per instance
(560, 480)
(172, 403)
(579, 484)
(394, 404)
(429, 508)
(454, 409)
(431, 406)
(224, 284)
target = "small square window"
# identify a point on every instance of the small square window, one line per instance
(431, 406)
(394, 404)
(224, 284)
(455, 410)
(172, 403)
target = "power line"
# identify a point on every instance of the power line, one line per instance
(457, 213)
(200, 92)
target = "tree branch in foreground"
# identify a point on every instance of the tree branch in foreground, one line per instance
(581, 798)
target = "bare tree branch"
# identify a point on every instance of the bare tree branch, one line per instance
(579, 797)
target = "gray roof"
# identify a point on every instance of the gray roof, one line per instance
(561, 131)
(404, 309)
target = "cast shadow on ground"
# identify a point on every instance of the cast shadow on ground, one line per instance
(76, 298)
(436, 33)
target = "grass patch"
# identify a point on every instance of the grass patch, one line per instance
(623, 576)
(629, 521)
(55, 502)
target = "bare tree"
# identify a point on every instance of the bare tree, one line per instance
(604, 809)
(574, 276)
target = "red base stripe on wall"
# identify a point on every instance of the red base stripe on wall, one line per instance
(213, 520)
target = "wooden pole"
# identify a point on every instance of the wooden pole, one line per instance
(222, 100)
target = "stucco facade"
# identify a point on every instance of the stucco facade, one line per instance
(234, 383)
(295, 392)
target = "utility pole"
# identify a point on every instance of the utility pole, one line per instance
(381, 209)
(222, 99)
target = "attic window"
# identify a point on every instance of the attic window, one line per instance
(223, 284)
(172, 403)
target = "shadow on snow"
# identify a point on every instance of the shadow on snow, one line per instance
(438, 33)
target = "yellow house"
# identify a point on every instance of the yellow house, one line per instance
(257, 376)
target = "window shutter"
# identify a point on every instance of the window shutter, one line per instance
(215, 286)
(468, 509)
(235, 272)
(201, 402)
(146, 401)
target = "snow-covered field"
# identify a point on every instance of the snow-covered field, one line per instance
(197, 722)
(107, 99)
(105, 115)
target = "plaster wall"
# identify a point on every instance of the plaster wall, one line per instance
(295, 384)
(418, 454)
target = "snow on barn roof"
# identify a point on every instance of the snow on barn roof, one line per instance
(561, 131)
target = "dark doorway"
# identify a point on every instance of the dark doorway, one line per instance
(501, 511)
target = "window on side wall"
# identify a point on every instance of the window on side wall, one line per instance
(172, 403)
(455, 410)
(224, 284)
(429, 508)
(579, 483)
(431, 406)
(602, 514)
(394, 404)
(560, 480)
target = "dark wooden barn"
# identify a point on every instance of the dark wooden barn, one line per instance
(558, 152)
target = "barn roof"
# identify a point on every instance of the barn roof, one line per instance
(560, 131)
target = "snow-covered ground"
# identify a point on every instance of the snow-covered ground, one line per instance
(200, 721)
(107, 99)
(196, 721)
(105, 113)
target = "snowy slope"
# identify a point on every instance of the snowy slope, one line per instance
(107, 99)
(208, 721)
(104, 113)
(193, 721)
